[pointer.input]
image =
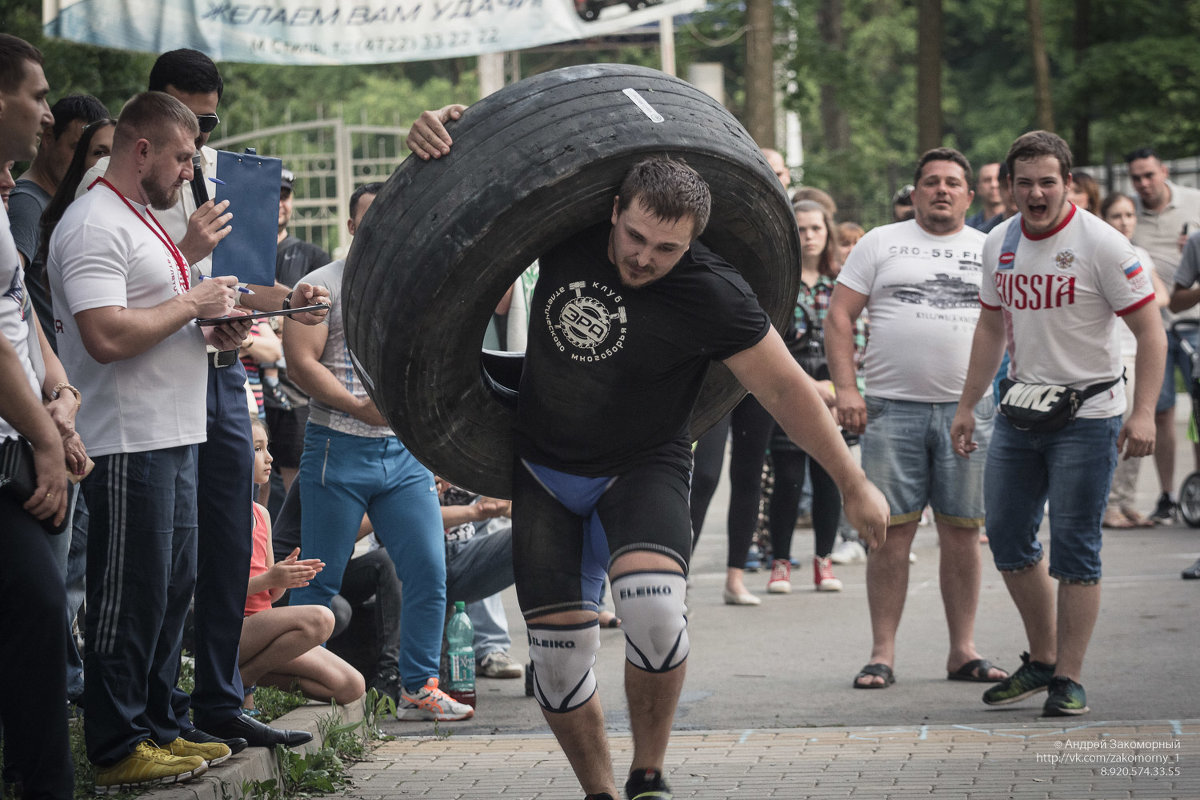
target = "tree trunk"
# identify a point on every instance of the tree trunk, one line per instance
(760, 72)
(929, 74)
(835, 124)
(1080, 130)
(1043, 101)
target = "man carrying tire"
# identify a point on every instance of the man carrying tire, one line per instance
(627, 316)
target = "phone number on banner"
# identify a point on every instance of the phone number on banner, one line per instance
(430, 45)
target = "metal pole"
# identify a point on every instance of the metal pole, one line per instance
(666, 43)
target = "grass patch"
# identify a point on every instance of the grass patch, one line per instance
(272, 703)
(325, 770)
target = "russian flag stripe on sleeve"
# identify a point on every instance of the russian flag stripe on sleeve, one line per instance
(1133, 270)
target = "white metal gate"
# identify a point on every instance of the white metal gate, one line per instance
(330, 160)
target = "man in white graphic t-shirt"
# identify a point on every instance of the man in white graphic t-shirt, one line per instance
(1054, 283)
(918, 279)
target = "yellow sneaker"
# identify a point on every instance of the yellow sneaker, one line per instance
(147, 765)
(213, 753)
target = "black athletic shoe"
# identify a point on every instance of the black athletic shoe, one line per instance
(197, 736)
(647, 784)
(1165, 511)
(387, 683)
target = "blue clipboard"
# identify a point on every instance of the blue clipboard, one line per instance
(251, 184)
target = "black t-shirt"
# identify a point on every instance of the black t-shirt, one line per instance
(295, 258)
(611, 373)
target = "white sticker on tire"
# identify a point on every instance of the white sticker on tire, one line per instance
(641, 103)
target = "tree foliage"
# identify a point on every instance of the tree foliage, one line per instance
(1134, 83)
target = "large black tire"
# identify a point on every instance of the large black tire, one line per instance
(531, 165)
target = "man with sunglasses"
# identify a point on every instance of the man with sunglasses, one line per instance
(226, 458)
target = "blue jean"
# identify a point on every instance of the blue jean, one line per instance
(225, 481)
(343, 476)
(491, 626)
(1175, 358)
(141, 571)
(70, 553)
(907, 453)
(1072, 468)
(477, 571)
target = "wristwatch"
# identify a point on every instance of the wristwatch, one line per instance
(56, 392)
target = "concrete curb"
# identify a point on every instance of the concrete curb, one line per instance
(226, 781)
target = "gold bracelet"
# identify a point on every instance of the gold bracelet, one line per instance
(57, 392)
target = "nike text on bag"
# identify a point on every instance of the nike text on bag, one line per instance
(1044, 407)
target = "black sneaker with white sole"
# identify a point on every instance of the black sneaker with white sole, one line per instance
(1165, 511)
(647, 784)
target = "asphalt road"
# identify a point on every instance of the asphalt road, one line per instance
(789, 662)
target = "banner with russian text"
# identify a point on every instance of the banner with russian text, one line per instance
(345, 31)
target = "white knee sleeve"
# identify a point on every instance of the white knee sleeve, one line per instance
(562, 657)
(651, 608)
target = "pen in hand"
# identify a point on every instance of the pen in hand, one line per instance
(240, 287)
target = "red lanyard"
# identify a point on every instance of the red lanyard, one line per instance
(160, 232)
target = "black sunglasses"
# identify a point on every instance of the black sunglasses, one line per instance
(208, 122)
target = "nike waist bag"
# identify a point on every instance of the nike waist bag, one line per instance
(1044, 407)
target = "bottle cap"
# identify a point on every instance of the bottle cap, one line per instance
(460, 605)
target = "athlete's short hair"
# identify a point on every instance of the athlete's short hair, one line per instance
(942, 154)
(669, 189)
(150, 116)
(1037, 144)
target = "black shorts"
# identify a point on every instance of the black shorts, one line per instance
(567, 530)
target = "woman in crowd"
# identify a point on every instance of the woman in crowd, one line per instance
(848, 234)
(819, 266)
(95, 142)
(1085, 192)
(1119, 211)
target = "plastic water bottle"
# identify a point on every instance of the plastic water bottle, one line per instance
(460, 651)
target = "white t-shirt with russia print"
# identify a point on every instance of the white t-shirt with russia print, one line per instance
(922, 296)
(1061, 293)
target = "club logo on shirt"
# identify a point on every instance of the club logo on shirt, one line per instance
(586, 320)
(1064, 259)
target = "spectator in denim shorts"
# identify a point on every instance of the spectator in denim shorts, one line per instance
(918, 279)
(1054, 282)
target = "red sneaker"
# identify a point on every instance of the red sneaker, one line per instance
(823, 575)
(780, 581)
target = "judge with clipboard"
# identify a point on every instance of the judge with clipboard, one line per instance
(198, 224)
